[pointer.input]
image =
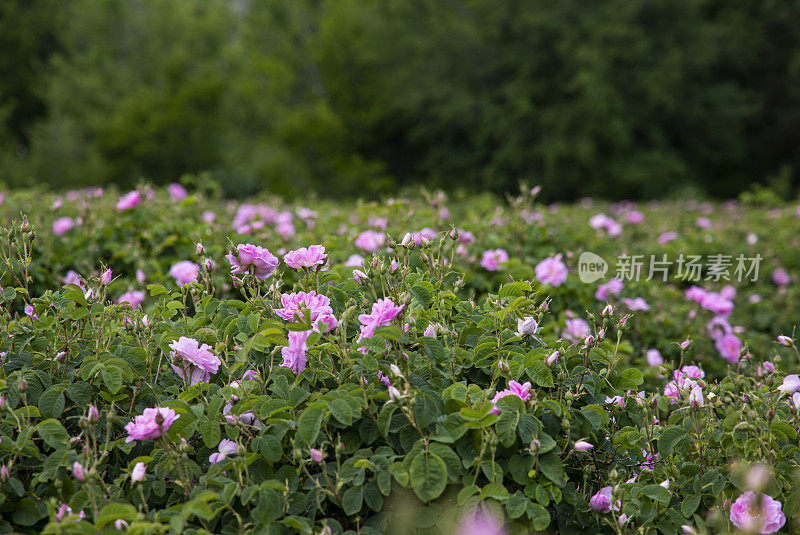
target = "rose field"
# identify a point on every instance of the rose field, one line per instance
(175, 362)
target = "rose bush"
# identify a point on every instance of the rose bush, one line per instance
(262, 388)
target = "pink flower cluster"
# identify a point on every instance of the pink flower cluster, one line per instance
(603, 222)
(319, 307)
(682, 381)
(718, 303)
(612, 287)
(150, 424)
(193, 362)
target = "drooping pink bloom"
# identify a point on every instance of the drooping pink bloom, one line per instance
(384, 311)
(177, 192)
(312, 257)
(128, 201)
(150, 424)
(132, 297)
(551, 271)
(193, 362)
(63, 225)
(492, 258)
(522, 391)
(728, 347)
(184, 272)
(294, 355)
(603, 501)
(370, 240)
(753, 514)
(226, 447)
(318, 306)
(252, 258)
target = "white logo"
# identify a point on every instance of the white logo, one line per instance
(591, 267)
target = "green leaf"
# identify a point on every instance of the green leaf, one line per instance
(115, 511)
(51, 403)
(352, 500)
(53, 433)
(434, 349)
(27, 512)
(494, 490)
(657, 492)
(209, 430)
(551, 466)
(112, 377)
(690, 505)
(669, 437)
(309, 424)
(506, 427)
(422, 295)
(539, 516)
(385, 419)
(341, 411)
(540, 374)
(156, 289)
(428, 476)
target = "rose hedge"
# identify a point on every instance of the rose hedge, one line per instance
(398, 432)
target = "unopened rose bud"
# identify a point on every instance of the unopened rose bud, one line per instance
(601, 334)
(199, 249)
(209, 264)
(60, 356)
(32, 236)
(535, 445)
(785, 341)
(159, 418)
(93, 415)
(582, 445)
(316, 454)
(685, 344)
(106, 277)
(25, 224)
(23, 385)
(137, 474)
(608, 311)
(502, 366)
(359, 276)
(552, 358)
(77, 470)
(4, 473)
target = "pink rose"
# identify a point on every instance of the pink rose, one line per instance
(150, 424)
(184, 272)
(62, 225)
(551, 271)
(128, 201)
(311, 257)
(255, 258)
(753, 515)
(491, 259)
(193, 362)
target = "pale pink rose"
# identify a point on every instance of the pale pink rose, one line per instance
(667, 237)
(522, 391)
(128, 201)
(252, 258)
(654, 357)
(635, 304)
(132, 297)
(137, 474)
(481, 522)
(370, 240)
(294, 355)
(752, 514)
(492, 258)
(384, 311)
(582, 445)
(62, 225)
(551, 271)
(318, 306)
(311, 257)
(354, 260)
(184, 272)
(781, 277)
(635, 217)
(728, 347)
(177, 192)
(577, 329)
(612, 287)
(193, 362)
(150, 424)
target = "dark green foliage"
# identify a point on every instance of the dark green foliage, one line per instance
(613, 98)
